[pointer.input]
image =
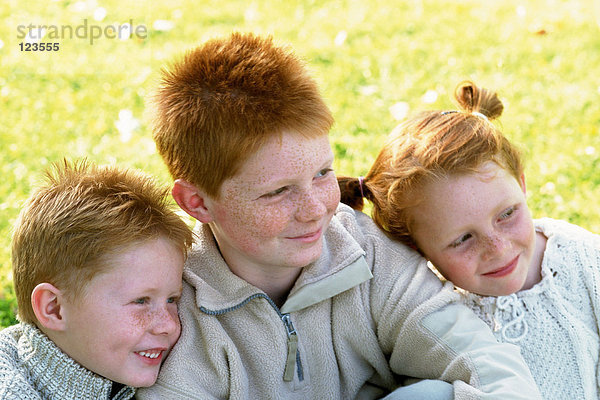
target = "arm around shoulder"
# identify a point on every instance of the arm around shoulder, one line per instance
(478, 365)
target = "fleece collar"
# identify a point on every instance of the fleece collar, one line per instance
(340, 267)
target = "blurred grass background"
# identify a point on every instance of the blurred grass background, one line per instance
(375, 62)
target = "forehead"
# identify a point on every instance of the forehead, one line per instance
(142, 262)
(284, 157)
(460, 195)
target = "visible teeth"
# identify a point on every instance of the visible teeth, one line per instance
(149, 355)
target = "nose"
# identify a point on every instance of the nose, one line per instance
(311, 205)
(494, 244)
(166, 321)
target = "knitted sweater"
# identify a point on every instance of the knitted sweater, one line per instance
(555, 322)
(33, 367)
(367, 312)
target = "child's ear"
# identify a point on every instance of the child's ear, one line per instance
(47, 302)
(191, 200)
(522, 182)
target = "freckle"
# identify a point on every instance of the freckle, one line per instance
(142, 319)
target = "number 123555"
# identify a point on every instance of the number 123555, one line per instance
(39, 46)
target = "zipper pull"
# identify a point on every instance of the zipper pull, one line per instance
(292, 347)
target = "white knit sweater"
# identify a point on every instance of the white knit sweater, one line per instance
(556, 322)
(33, 367)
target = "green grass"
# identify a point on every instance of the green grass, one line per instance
(542, 56)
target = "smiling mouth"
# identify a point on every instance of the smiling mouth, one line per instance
(151, 354)
(309, 237)
(503, 271)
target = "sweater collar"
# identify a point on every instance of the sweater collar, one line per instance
(340, 267)
(56, 375)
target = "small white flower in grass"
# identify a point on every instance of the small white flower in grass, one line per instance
(367, 90)
(430, 97)
(99, 13)
(590, 150)
(1, 44)
(79, 6)
(124, 31)
(521, 11)
(558, 199)
(19, 170)
(126, 124)
(251, 13)
(548, 188)
(163, 25)
(340, 38)
(399, 110)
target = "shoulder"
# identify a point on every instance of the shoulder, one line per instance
(569, 240)
(13, 376)
(398, 271)
(563, 229)
(571, 258)
(388, 258)
(9, 338)
(368, 235)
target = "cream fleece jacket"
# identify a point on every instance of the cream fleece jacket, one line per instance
(366, 314)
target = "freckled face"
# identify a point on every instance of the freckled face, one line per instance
(477, 230)
(126, 322)
(273, 213)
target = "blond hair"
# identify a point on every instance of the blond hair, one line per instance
(223, 100)
(429, 146)
(82, 213)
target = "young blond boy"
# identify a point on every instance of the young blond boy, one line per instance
(287, 294)
(97, 260)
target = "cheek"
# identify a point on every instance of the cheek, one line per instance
(332, 194)
(175, 317)
(271, 221)
(458, 268)
(140, 320)
(524, 231)
(250, 224)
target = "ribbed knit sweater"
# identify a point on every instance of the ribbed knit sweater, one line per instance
(33, 367)
(555, 322)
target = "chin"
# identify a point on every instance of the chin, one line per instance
(310, 259)
(143, 380)
(507, 290)
(302, 258)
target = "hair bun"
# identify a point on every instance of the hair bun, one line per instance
(351, 192)
(472, 98)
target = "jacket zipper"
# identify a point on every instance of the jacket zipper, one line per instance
(292, 345)
(293, 362)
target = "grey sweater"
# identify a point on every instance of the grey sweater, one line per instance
(33, 367)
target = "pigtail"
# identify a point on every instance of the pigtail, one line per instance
(350, 192)
(473, 99)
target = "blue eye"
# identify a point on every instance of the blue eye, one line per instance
(461, 240)
(323, 172)
(171, 300)
(507, 213)
(276, 192)
(141, 300)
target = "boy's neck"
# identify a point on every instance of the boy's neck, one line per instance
(275, 281)
(276, 284)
